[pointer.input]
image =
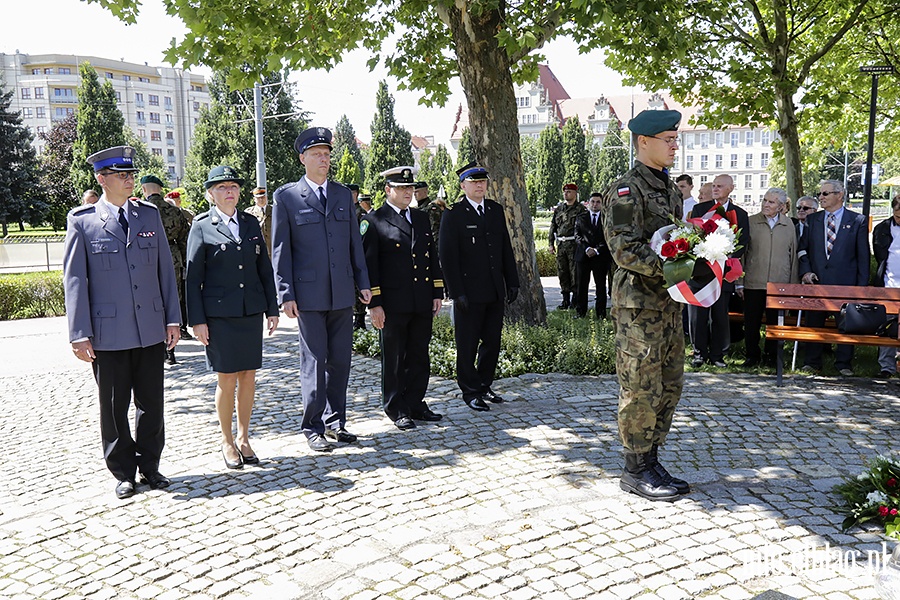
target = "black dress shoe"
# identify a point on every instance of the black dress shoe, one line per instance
(156, 480)
(428, 415)
(125, 489)
(233, 464)
(185, 336)
(405, 423)
(490, 395)
(340, 435)
(319, 443)
(249, 460)
(170, 357)
(477, 403)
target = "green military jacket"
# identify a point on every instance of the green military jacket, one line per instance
(634, 207)
(562, 225)
(176, 226)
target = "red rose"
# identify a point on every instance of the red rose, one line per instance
(709, 226)
(682, 245)
(893, 512)
(892, 482)
(668, 250)
(883, 511)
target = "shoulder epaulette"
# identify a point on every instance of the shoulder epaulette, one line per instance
(147, 204)
(202, 216)
(83, 208)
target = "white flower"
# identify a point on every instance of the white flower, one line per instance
(681, 232)
(876, 497)
(725, 229)
(716, 246)
(862, 476)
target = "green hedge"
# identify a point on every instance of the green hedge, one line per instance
(564, 345)
(546, 262)
(29, 295)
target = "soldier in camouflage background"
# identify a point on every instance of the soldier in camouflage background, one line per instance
(562, 242)
(177, 228)
(649, 335)
(433, 208)
(262, 210)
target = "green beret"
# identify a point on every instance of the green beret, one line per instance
(152, 179)
(652, 122)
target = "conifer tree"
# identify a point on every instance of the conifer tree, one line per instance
(348, 169)
(575, 157)
(56, 171)
(19, 181)
(391, 144)
(100, 125)
(613, 158)
(345, 137)
(549, 173)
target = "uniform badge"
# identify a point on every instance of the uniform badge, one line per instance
(623, 191)
(363, 227)
(146, 234)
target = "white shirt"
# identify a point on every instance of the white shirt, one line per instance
(475, 205)
(689, 203)
(231, 222)
(892, 269)
(315, 186)
(399, 210)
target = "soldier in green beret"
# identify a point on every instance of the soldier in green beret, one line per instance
(177, 228)
(649, 335)
(562, 242)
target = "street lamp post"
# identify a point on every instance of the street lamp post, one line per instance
(874, 71)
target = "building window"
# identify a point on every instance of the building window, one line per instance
(704, 140)
(764, 160)
(142, 133)
(118, 96)
(748, 181)
(157, 152)
(704, 162)
(35, 71)
(765, 137)
(40, 113)
(763, 180)
(141, 119)
(155, 136)
(735, 139)
(170, 156)
(734, 161)
(704, 179)
(168, 102)
(748, 161)
(138, 97)
(169, 120)
(689, 141)
(39, 93)
(62, 92)
(26, 93)
(154, 117)
(172, 173)
(27, 113)
(48, 71)
(675, 164)
(196, 106)
(747, 199)
(718, 161)
(144, 79)
(720, 137)
(65, 71)
(63, 112)
(154, 100)
(126, 77)
(170, 136)
(748, 138)
(689, 162)
(109, 75)
(196, 88)
(523, 101)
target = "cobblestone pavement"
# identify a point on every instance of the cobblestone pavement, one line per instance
(520, 502)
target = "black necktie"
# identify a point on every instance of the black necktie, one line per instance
(404, 215)
(322, 198)
(594, 220)
(480, 210)
(122, 220)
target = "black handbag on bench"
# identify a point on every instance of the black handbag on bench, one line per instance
(861, 318)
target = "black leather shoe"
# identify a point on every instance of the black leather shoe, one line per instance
(156, 480)
(428, 415)
(405, 423)
(490, 395)
(124, 489)
(477, 403)
(170, 357)
(185, 336)
(249, 460)
(318, 443)
(639, 478)
(233, 464)
(340, 435)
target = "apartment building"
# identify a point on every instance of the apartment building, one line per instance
(160, 104)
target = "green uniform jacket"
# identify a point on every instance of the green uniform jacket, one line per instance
(177, 229)
(634, 208)
(563, 222)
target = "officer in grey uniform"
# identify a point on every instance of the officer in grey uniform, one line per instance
(318, 257)
(649, 335)
(123, 313)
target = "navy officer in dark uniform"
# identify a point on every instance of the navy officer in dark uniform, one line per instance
(480, 273)
(318, 258)
(123, 313)
(407, 289)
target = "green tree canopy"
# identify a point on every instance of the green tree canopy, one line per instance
(391, 144)
(575, 157)
(100, 125)
(550, 171)
(20, 198)
(56, 171)
(611, 160)
(348, 168)
(345, 138)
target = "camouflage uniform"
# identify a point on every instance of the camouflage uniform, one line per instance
(263, 214)
(435, 210)
(562, 234)
(177, 228)
(649, 335)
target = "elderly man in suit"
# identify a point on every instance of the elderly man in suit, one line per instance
(407, 289)
(318, 257)
(123, 314)
(480, 273)
(835, 251)
(709, 327)
(591, 256)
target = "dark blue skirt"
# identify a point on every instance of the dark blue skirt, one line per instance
(235, 343)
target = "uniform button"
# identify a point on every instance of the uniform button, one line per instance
(135, 287)
(240, 285)
(138, 307)
(426, 279)
(240, 267)
(238, 247)
(132, 267)
(415, 266)
(414, 255)
(398, 245)
(415, 278)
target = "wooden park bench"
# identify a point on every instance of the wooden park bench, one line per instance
(802, 298)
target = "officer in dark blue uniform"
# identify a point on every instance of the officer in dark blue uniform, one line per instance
(407, 288)
(123, 313)
(480, 273)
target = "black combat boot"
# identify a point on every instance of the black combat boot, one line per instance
(185, 336)
(565, 303)
(359, 322)
(682, 486)
(638, 478)
(170, 357)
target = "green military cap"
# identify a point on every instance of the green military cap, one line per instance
(652, 122)
(222, 174)
(152, 179)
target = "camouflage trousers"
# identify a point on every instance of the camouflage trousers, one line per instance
(650, 368)
(565, 267)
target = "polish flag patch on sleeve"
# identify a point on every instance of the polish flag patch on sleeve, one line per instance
(624, 191)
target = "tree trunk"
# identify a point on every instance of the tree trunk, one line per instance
(790, 138)
(486, 77)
